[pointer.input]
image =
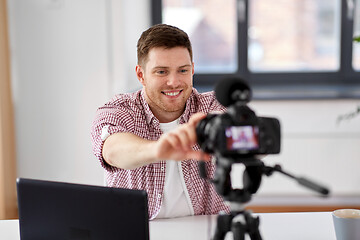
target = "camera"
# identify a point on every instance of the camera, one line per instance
(238, 131)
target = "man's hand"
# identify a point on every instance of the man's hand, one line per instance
(178, 144)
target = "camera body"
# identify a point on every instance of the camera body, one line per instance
(238, 132)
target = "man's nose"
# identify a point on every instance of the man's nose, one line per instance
(173, 80)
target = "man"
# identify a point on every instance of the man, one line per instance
(147, 139)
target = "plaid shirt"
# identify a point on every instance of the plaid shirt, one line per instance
(131, 113)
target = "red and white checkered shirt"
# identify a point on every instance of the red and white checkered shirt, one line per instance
(131, 113)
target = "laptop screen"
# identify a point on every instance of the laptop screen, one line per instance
(57, 210)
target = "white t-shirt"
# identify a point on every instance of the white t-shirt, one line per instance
(176, 200)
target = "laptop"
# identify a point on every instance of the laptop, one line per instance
(57, 210)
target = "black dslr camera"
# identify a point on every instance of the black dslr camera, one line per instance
(238, 131)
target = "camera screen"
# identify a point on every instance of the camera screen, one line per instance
(242, 137)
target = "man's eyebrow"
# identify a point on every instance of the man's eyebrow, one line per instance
(162, 67)
(186, 65)
(159, 68)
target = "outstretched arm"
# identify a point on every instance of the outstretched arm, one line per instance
(128, 151)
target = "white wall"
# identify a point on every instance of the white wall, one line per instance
(128, 19)
(63, 68)
(315, 145)
(69, 57)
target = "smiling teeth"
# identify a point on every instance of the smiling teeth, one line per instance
(172, 93)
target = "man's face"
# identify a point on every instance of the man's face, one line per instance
(167, 77)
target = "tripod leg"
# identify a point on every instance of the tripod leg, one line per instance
(253, 226)
(238, 230)
(223, 226)
(255, 235)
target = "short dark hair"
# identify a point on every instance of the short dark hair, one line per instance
(161, 35)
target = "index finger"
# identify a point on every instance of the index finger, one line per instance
(196, 118)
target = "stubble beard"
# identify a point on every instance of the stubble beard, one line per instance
(165, 106)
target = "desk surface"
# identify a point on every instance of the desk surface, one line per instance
(273, 226)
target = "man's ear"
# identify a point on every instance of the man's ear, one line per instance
(140, 74)
(193, 68)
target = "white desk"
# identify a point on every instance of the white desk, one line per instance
(9, 230)
(273, 226)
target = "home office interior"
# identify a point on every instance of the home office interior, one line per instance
(61, 60)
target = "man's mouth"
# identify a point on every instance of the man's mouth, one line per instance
(172, 93)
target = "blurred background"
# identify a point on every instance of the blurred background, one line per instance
(62, 59)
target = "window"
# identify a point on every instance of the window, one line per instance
(285, 39)
(284, 49)
(208, 24)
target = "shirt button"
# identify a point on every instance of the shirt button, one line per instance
(159, 196)
(162, 168)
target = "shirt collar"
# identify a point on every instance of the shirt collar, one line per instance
(149, 116)
(189, 107)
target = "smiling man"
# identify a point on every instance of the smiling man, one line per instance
(147, 140)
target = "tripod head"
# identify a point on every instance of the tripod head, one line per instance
(252, 177)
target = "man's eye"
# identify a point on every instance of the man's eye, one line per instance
(161, 72)
(184, 70)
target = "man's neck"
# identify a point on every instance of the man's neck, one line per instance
(165, 116)
(162, 115)
(168, 116)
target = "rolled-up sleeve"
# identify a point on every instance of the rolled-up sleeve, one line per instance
(109, 119)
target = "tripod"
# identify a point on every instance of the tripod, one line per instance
(240, 221)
